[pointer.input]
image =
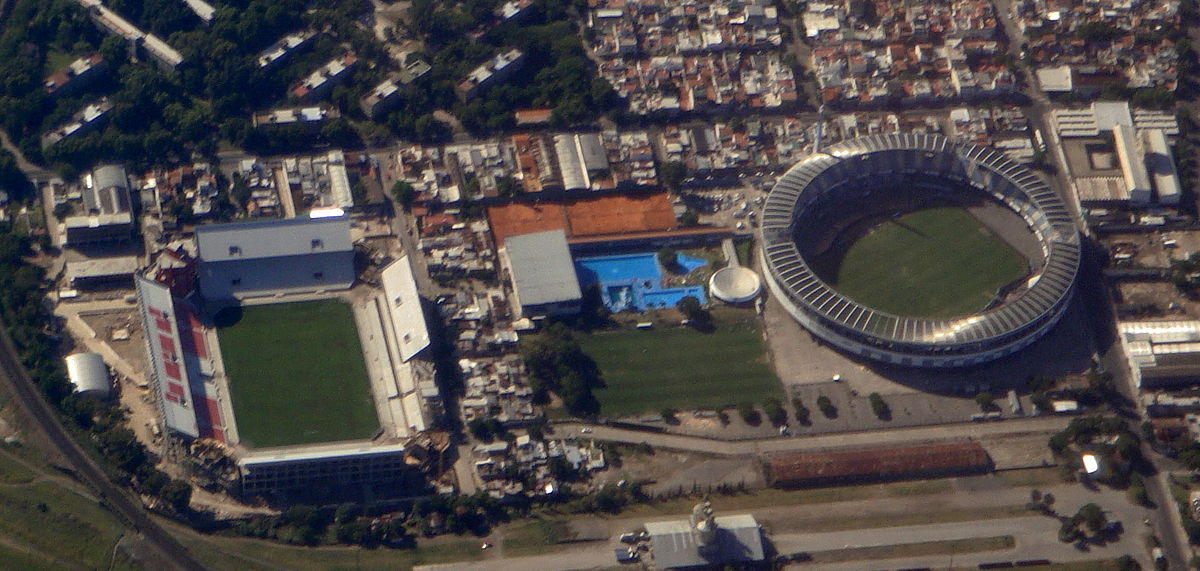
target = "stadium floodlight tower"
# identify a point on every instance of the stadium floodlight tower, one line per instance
(829, 190)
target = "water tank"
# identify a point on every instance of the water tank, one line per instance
(735, 284)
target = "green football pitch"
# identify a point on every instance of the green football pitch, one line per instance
(682, 368)
(938, 262)
(296, 374)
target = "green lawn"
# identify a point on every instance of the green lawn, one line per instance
(938, 262)
(297, 375)
(680, 367)
(47, 524)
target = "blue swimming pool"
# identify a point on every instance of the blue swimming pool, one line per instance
(634, 282)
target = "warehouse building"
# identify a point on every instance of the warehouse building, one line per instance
(107, 214)
(878, 464)
(542, 273)
(89, 375)
(705, 540)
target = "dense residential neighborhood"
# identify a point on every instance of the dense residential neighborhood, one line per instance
(487, 284)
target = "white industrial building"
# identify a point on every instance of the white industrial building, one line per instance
(1162, 354)
(1131, 156)
(89, 375)
(1102, 116)
(1161, 167)
(542, 273)
(705, 540)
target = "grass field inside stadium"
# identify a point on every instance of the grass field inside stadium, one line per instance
(936, 262)
(296, 374)
(679, 367)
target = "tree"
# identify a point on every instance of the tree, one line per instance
(984, 400)
(668, 414)
(689, 306)
(826, 406)
(802, 413)
(689, 218)
(774, 411)
(879, 407)
(404, 193)
(62, 210)
(668, 258)
(177, 494)
(746, 411)
(1092, 516)
(673, 174)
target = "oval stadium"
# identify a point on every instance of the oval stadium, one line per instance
(916, 250)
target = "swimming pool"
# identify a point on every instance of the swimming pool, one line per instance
(633, 282)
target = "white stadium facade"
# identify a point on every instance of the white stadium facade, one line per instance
(934, 165)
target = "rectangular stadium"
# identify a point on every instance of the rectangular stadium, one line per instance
(304, 380)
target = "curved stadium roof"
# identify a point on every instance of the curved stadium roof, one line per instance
(879, 155)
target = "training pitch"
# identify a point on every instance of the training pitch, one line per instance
(681, 368)
(296, 374)
(936, 263)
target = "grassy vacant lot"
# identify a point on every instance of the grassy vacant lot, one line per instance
(938, 262)
(47, 522)
(682, 368)
(297, 375)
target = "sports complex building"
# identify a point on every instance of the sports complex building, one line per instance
(827, 204)
(305, 385)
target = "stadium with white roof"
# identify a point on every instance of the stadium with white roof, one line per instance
(938, 166)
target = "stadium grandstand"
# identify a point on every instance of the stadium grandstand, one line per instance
(828, 191)
(267, 258)
(181, 371)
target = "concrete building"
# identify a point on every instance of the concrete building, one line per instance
(1102, 116)
(1132, 158)
(97, 273)
(313, 116)
(542, 273)
(1161, 166)
(141, 43)
(1162, 354)
(705, 540)
(490, 73)
(321, 82)
(284, 48)
(73, 78)
(107, 214)
(89, 375)
(343, 464)
(85, 120)
(384, 98)
(273, 257)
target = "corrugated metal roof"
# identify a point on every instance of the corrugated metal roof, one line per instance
(675, 544)
(542, 268)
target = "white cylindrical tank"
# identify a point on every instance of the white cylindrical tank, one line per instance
(735, 284)
(89, 375)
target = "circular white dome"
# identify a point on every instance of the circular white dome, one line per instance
(735, 284)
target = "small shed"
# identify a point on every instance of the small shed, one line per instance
(89, 375)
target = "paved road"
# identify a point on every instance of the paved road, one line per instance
(1044, 425)
(14, 375)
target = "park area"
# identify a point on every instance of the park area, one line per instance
(935, 263)
(296, 373)
(682, 368)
